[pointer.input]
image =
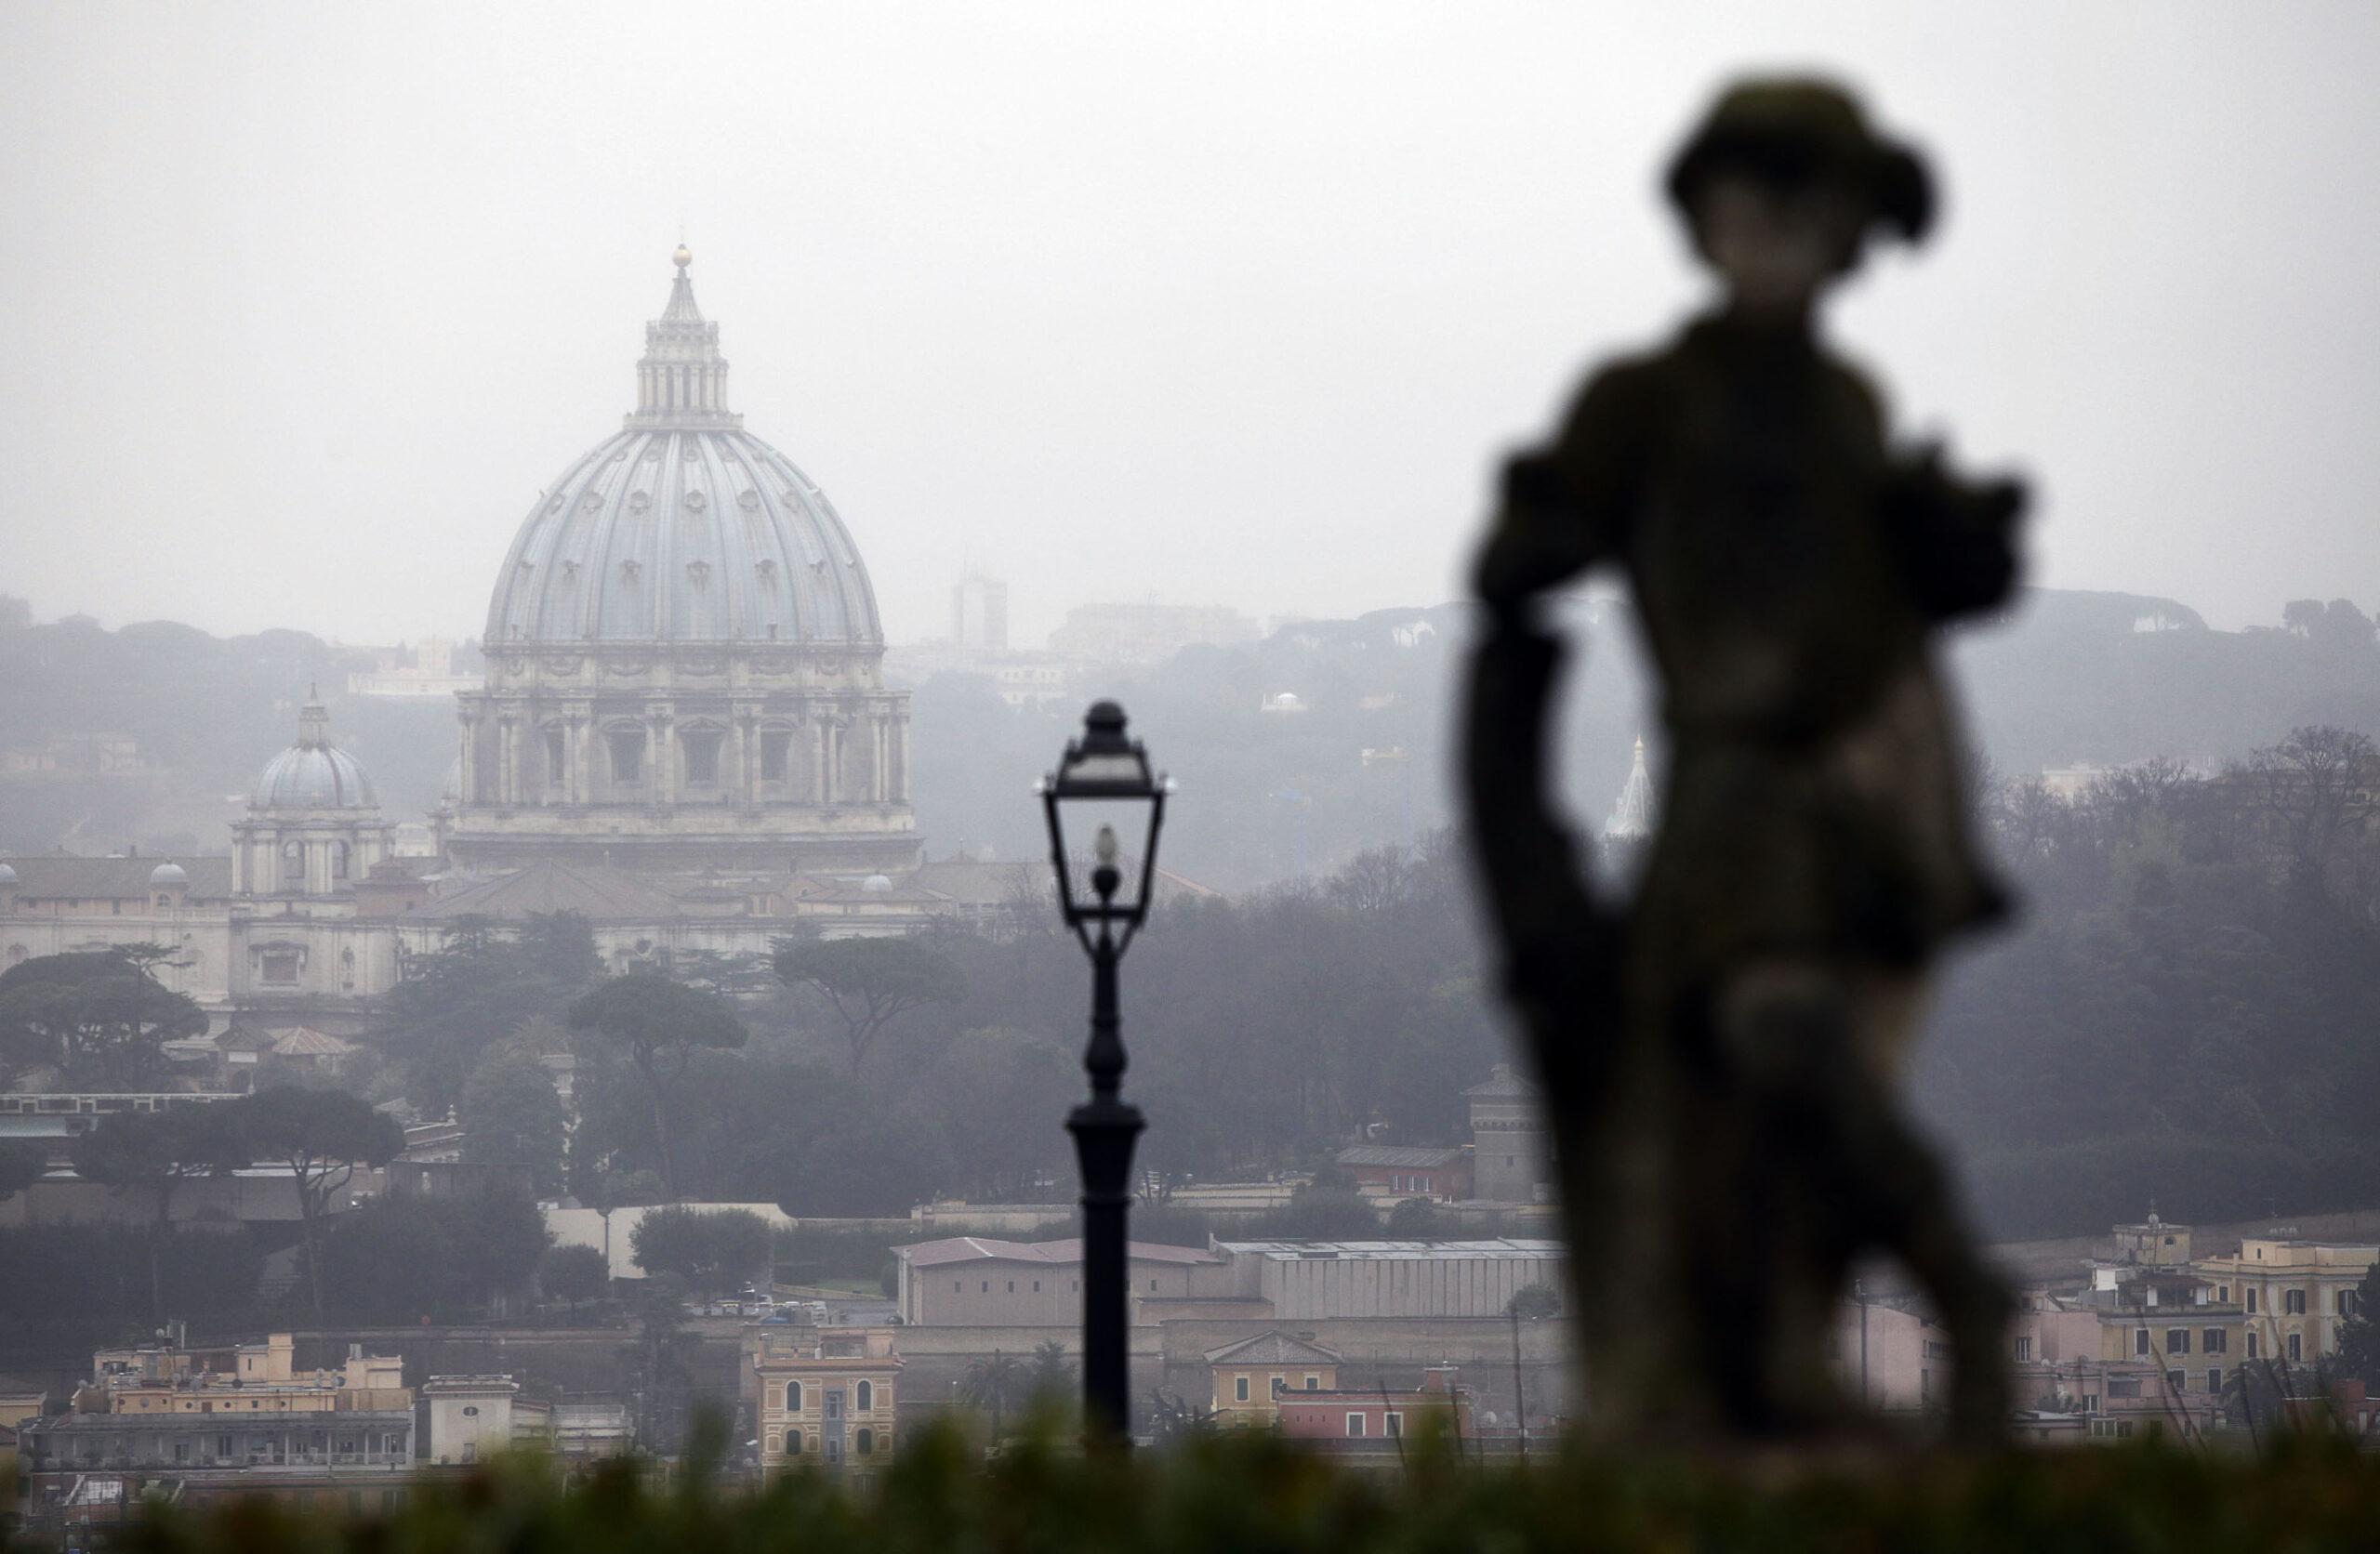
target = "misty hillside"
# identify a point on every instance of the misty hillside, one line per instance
(2065, 678)
(1293, 753)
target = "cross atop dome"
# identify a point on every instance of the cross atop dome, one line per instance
(682, 380)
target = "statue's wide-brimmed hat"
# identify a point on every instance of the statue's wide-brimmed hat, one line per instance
(1799, 131)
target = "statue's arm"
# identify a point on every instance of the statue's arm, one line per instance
(1563, 508)
(1562, 511)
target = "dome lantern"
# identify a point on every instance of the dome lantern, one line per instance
(681, 379)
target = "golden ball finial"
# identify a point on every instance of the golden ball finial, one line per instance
(684, 256)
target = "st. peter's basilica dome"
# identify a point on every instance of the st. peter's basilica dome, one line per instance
(683, 527)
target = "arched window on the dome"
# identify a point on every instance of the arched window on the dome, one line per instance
(293, 867)
(338, 860)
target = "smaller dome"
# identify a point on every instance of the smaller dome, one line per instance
(8, 875)
(168, 873)
(876, 884)
(314, 773)
(314, 777)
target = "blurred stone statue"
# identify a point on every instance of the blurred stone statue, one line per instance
(1722, 1056)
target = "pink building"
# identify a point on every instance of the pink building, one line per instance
(1373, 1419)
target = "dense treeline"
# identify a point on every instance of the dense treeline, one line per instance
(1264, 1034)
(2189, 1013)
(2185, 1011)
(103, 1273)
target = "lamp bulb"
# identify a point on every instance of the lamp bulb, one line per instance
(1104, 845)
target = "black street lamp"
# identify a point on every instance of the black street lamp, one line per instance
(1104, 776)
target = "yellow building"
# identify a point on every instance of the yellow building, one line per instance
(1247, 1375)
(823, 1397)
(2170, 1339)
(2294, 1293)
(21, 1401)
(245, 1379)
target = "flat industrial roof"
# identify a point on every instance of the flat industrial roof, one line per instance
(972, 1248)
(1393, 1251)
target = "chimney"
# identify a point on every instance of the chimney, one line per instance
(1439, 1379)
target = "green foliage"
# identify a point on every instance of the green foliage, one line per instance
(710, 1249)
(21, 1166)
(485, 981)
(661, 1360)
(996, 1382)
(876, 1160)
(870, 982)
(1231, 1489)
(978, 1088)
(392, 1261)
(159, 1150)
(400, 1260)
(2358, 1355)
(321, 1137)
(506, 1241)
(1534, 1303)
(559, 946)
(1327, 1208)
(1416, 1219)
(575, 1274)
(2192, 1011)
(1053, 1374)
(512, 1116)
(1172, 1225)
(658, 1024)
(320, 1134)
(95, 1271)
(97, 1014)
(1256, 1037)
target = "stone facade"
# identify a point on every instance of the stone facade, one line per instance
(686, 666)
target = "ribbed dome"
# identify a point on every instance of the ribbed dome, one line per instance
(168, 874)
(312, 773)
(321, 779)
(684, 527)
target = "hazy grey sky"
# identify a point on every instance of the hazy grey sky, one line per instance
(1227, 303)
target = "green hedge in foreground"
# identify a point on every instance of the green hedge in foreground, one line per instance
(1256, 1494)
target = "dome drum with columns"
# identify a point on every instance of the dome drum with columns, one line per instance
(684, 658)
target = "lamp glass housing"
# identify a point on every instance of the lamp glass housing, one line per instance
(1103, 782)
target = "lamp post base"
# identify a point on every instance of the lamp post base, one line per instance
(1105, 1130)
